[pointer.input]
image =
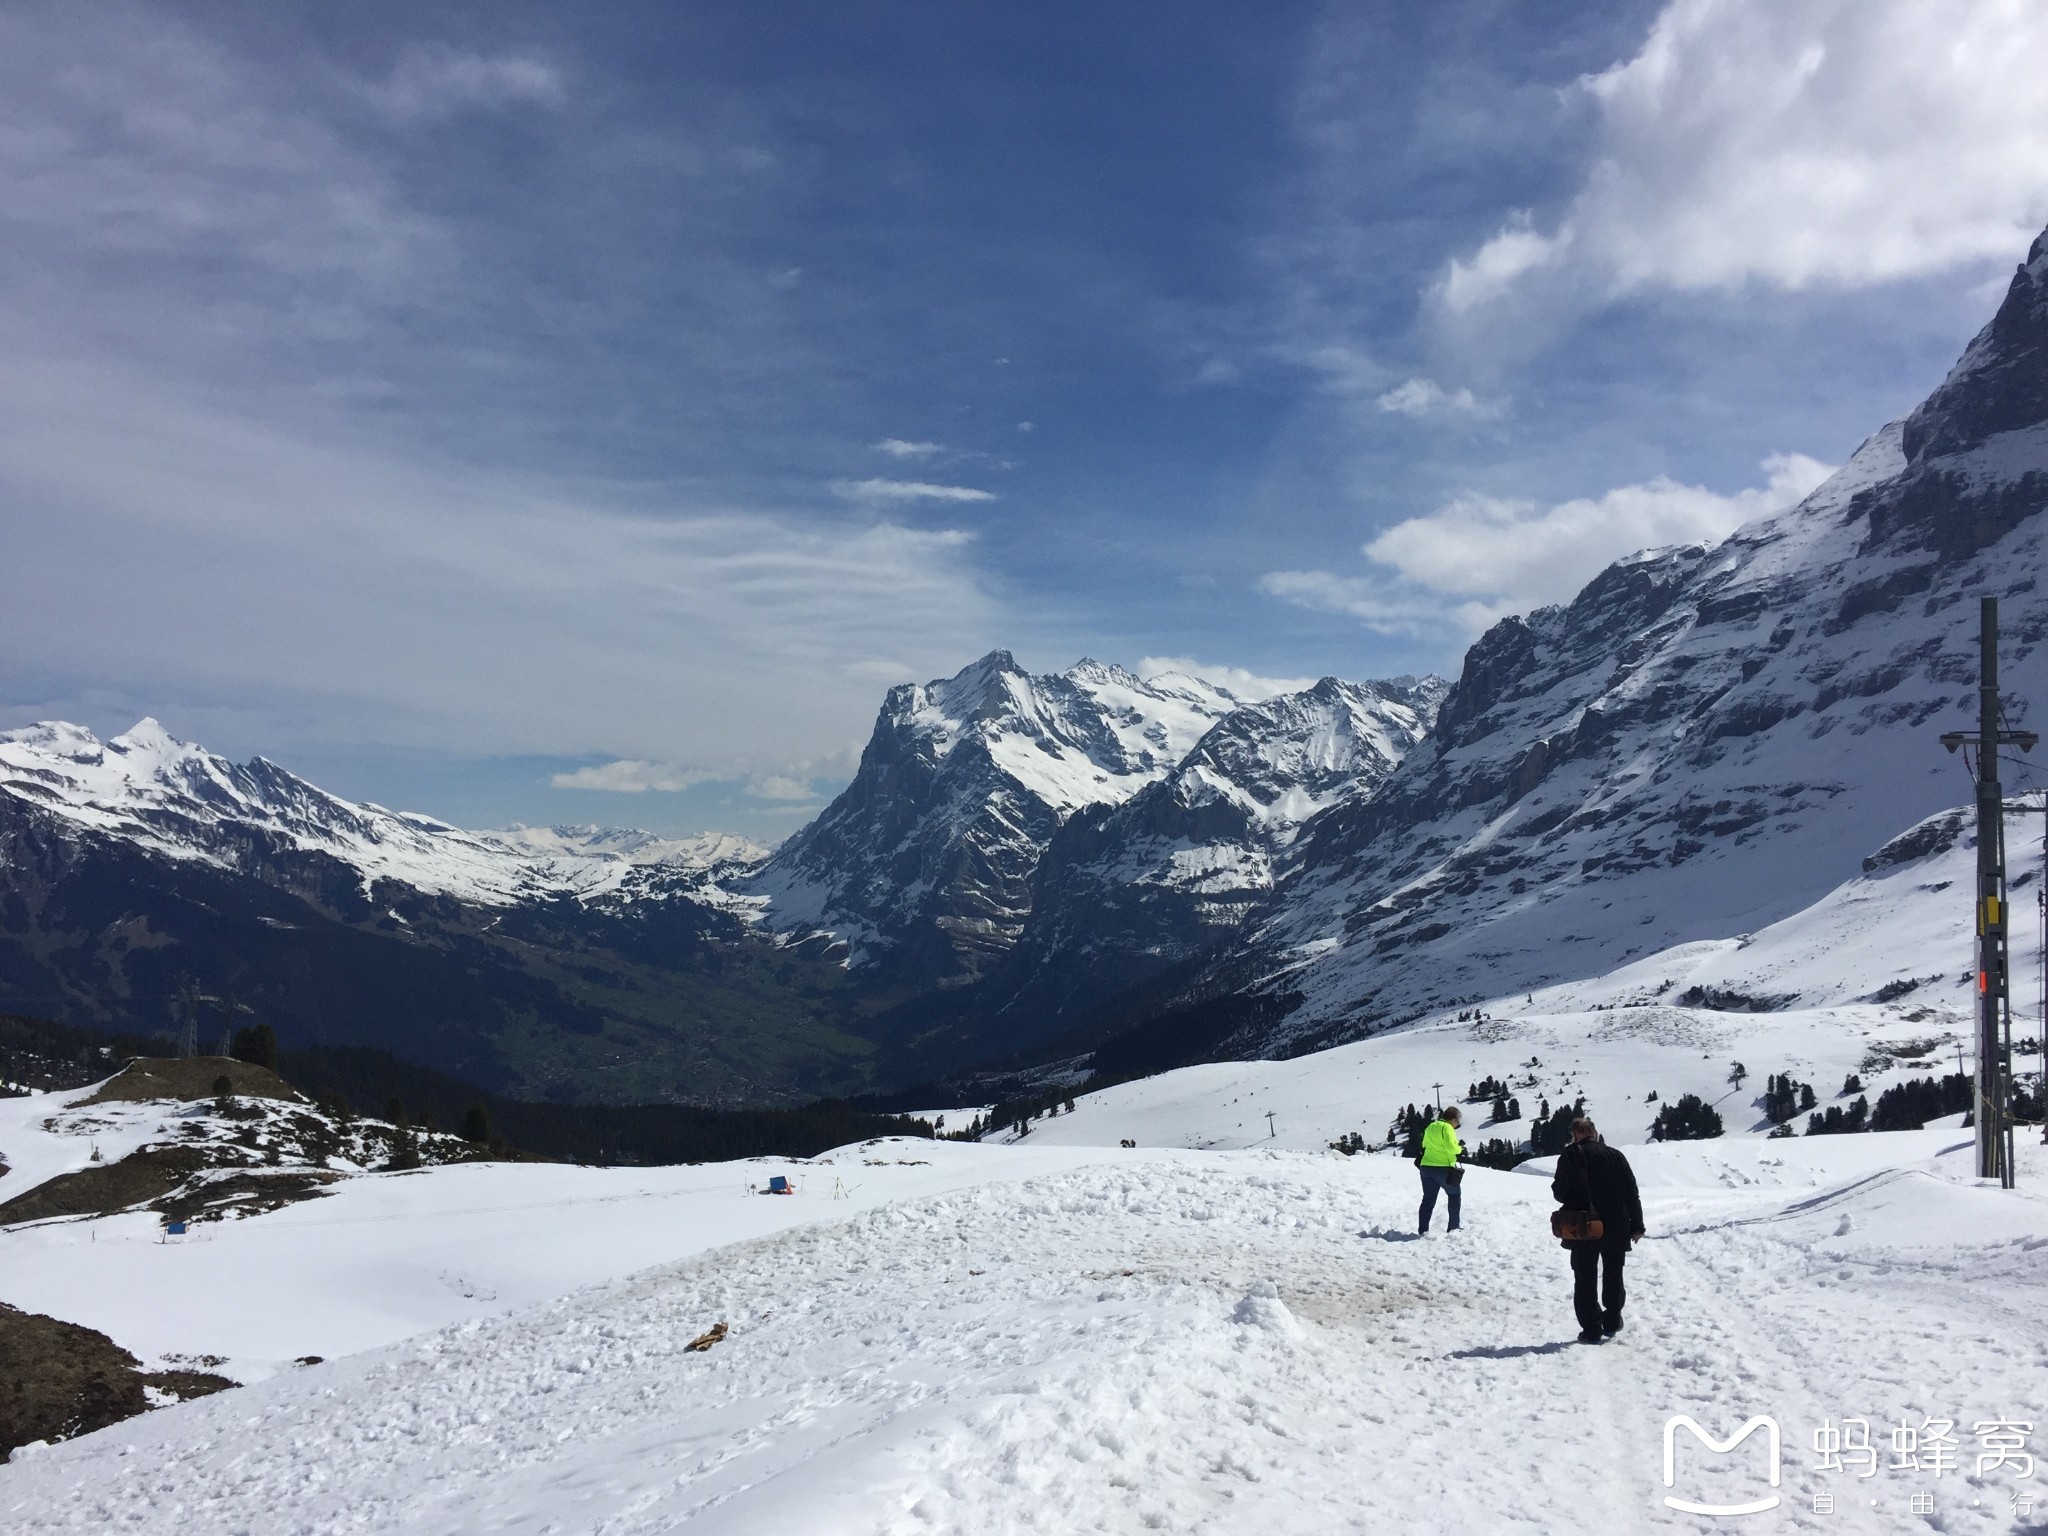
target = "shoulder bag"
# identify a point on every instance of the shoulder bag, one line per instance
(1572, 1226)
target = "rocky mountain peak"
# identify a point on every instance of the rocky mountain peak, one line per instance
(926, 859)
(2001, 382)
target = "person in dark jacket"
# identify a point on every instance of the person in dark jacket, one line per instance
(1592, 1176)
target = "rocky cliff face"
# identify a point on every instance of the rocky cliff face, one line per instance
(924, 864)
(1127, 891)
(1705, 739)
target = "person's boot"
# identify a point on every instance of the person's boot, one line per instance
(1589, 1336)
(1610, 1326)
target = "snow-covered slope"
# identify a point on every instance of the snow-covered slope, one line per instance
(924, 862)
(1706, 739)
(1239, 1342)
(183, 802)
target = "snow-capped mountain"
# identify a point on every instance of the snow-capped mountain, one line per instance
(924, 863)
(574, 961)
(183, 802)
(1706, 739)
(1125, 891)
(631, 844)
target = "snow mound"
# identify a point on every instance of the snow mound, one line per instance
(1262, 1308)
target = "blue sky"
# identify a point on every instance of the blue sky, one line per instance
(449, 401)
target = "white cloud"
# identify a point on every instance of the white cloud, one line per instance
(1483, 546)
(327, 588)
(630, 776)
(1497, 266)
(900, 448)
(1027, 426)
(284, 421)
(1380, 603)
(1346, 370)
(1422, 398)
(778, 786)
(1836, 142)
(907, 490)
(1502, 556)
(1245, 684)
(123, 134)
(433, 80)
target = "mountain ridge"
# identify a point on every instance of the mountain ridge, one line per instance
(1703, 741)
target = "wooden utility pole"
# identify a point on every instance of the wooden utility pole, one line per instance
(1992, 1107)
(1270, 1132)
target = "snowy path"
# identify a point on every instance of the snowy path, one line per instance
(1090, 1352)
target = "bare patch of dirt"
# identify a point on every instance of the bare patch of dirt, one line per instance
(193, 1077)
(171, 1181)
(63, 1380)
(244, 1193)
(142, 1176)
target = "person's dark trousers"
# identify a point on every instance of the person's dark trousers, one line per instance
(1603, 1311)
(1434, 1179)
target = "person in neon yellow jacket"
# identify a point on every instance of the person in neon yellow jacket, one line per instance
(1441, 1150)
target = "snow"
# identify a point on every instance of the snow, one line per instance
(1091, 735)
(1750, 743)
(1224, 1329)
(1127, 1341)
(1228, 1327)
(389, 1255)
(1614, 1057)
(33, 1154)
(183, 802)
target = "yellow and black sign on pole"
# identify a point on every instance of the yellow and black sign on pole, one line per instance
(1993, 1097)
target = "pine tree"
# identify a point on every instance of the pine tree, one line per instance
(1496, 1153)
(405, 1152)
(476, 1125)
(1783, 1097)
(257, 1045)
(1910, 1105)
(1688, 1119)
(1833, 1121)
